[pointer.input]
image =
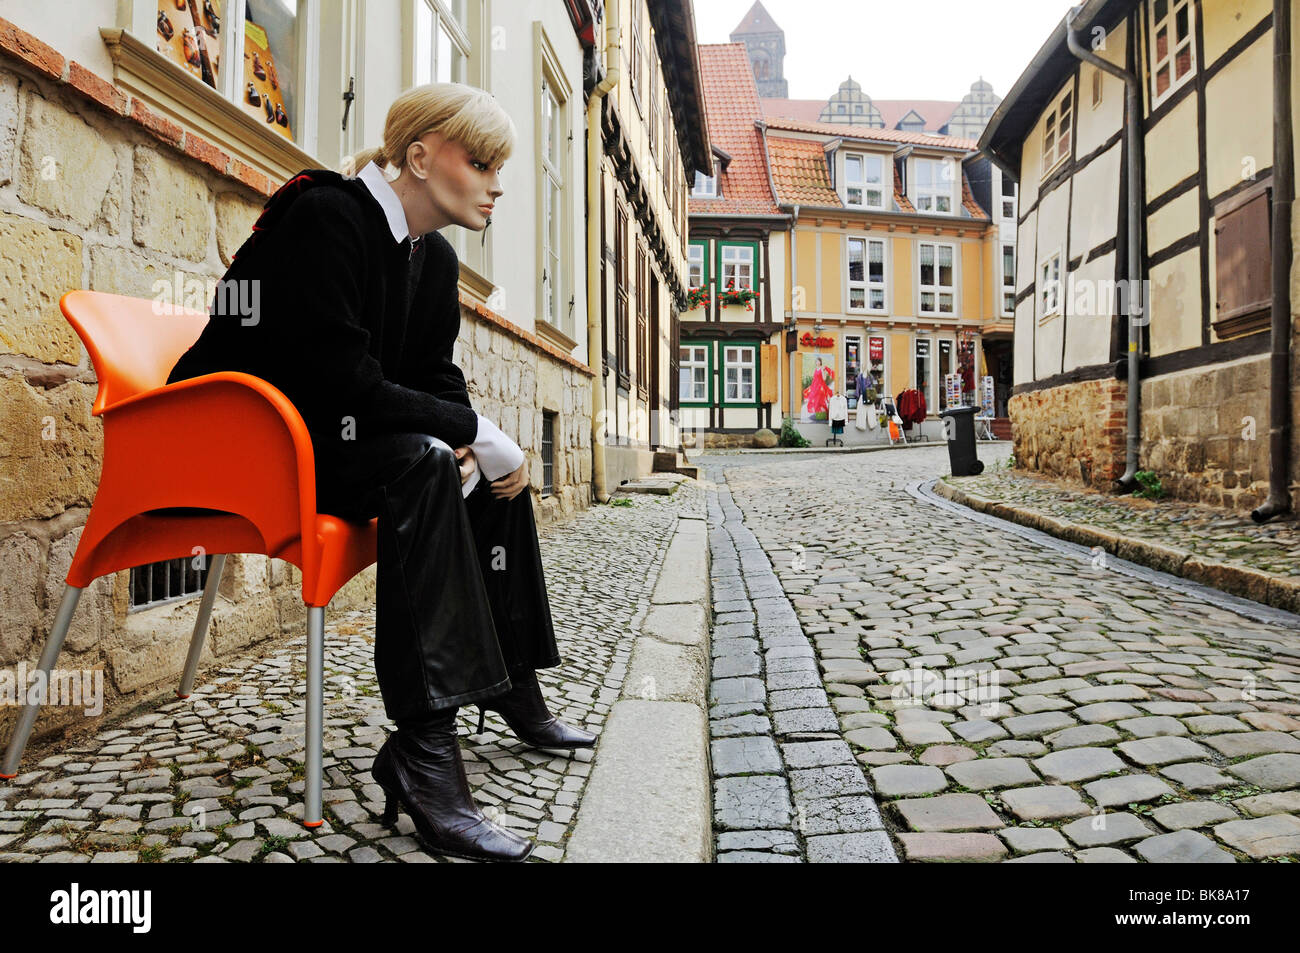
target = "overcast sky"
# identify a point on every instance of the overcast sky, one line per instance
(915, 49)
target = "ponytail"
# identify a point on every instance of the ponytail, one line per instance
(353, 164)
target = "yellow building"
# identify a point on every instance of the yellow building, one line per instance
(893, 266)
(1203, 189)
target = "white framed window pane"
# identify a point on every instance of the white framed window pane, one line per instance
(927, 300)
(875, 197)
(549, 110)
(856, 264)
(874, 170)
(877, 268)
(877, 298)
(945, 303)
(423, 43)
(855, 195)
(945, 266)
(857, 298)
(944, 203)
(270, 49)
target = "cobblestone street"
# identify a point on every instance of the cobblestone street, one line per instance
(894, 681)
(218, 777)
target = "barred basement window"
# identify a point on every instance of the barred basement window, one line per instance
(167, 581)
(548, 452)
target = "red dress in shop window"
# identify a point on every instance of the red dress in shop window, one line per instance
(817, 394)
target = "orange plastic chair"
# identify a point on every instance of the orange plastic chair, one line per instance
(229, 443)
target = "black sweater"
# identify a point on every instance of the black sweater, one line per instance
(348, 323)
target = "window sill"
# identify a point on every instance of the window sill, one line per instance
(548, 332)
(167, 88)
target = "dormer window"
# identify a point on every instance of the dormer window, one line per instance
(706, 186)
(934, 182)
(864, 181)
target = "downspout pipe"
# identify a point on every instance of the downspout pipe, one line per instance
(1279, 407)
(1138, 308)
(595, 254)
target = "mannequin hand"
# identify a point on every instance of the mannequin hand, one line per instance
(508, 487)
(468, 463)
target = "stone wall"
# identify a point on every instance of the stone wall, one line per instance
(1074, 431)
(1205, 433)
(97, 192)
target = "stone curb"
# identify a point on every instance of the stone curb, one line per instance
(649, 797)
(872, 449)
(1266, 588)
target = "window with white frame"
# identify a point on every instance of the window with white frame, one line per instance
(693, 373)
(937, 279)
(738, 374)
(1008, 278)
(255, 54)
(1049, 285)
(934, 185)
(866, 264)
(864, 180)
(1173, 54)
(1057, 127)
(695, 263)
(706, 186)
(637, 53)
(738, 266)
(441, 43)
(553, 205)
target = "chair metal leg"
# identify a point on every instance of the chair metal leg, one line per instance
(49, 655)
(201, 625)
(315, 715)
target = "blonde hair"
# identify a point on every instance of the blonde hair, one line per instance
(464, 114)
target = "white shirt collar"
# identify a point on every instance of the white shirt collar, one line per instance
(379, 187)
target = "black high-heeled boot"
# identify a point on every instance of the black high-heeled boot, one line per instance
(420, 768)
(524, 710)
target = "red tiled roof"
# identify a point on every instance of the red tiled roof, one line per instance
(879, 135)
(799, 172)
(731, 106)
(935, 112)
(808, 110)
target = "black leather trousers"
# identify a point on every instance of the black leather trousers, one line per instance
(460, 595)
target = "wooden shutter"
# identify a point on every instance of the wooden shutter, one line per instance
(767, 374)
(1243, 266)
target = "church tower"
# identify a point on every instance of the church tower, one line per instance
(765, 42)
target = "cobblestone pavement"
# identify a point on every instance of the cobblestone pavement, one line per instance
(218, 777)
(1212, 533)
(1002, 699)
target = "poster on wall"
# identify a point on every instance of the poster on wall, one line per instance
(189, 34)
(262, 95)
(819, 383)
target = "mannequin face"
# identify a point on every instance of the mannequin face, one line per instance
(443, 184)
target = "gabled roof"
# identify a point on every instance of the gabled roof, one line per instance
(731, 107)
(801, 177)
(951, 143)
(757, 20)
(935, 112)
(1017, 114)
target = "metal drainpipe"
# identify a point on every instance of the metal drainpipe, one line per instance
(595, 254)
(794, 279)
(1133, 145)
(1279, 407)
